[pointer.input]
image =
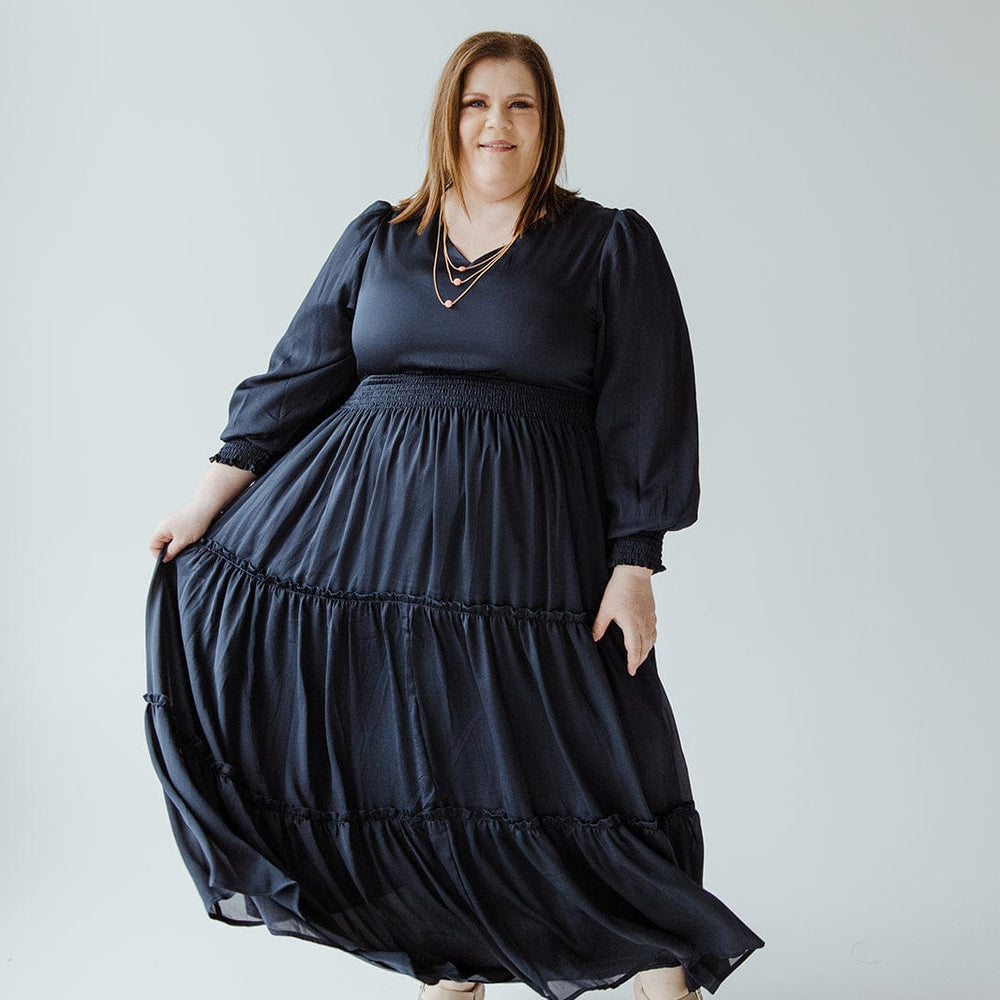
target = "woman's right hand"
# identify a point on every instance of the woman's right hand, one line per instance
(180, 528)
(220, 485)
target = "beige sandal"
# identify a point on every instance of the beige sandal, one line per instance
(640, 993)
(477, 992)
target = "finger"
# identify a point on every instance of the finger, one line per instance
(157, 540)
(634, 648)
(641, 651)
(644, 654)
(600, 625)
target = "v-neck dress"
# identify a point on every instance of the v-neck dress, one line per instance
(374, 701)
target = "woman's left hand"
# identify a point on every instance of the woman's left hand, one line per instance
(628, 600)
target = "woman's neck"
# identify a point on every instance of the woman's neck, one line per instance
(486, 215)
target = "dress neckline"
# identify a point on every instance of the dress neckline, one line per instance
(467, 259)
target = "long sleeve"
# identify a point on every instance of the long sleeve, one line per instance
(312, 369)
(647, 422)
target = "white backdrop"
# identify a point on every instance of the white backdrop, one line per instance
(823, 180)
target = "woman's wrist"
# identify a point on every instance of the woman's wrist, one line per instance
(643, 571)
(220, 485)
(642, 550)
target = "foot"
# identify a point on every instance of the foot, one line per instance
(664, 984)
(445, 989)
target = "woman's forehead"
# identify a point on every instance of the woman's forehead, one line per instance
(497, 74)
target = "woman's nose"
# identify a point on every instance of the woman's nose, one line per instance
(498, 119)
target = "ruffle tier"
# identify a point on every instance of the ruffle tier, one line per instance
(439, 772)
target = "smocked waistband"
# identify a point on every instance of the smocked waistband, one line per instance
(392, 390)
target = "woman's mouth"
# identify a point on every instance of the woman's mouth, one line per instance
(497, 147)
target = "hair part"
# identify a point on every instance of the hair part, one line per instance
(545, 199)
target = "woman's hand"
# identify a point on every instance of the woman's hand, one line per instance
(180, 528)
(219, 486)
(628, 600)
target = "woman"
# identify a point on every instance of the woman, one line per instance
(394, 641)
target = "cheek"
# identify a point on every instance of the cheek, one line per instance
(533, 129)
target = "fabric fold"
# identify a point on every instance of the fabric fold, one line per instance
(381, 722)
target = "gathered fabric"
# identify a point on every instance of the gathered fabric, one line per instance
(374, 702)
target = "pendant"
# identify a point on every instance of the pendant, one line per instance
(448, 303)
(456, 281)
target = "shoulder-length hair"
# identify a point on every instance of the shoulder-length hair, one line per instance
(546, 199)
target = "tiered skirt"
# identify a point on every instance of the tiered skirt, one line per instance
(381, 722)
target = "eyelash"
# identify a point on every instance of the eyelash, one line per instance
(478, 100)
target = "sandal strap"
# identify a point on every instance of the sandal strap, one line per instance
(694, 994)
(474, 991)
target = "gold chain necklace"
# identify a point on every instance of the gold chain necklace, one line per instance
(483, 266)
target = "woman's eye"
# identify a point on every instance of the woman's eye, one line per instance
(479, 100)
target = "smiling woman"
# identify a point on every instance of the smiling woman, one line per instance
(500, 133)
(402, 691)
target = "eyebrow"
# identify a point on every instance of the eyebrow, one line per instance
(477, 93)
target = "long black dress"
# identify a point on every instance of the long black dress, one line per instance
(373, 698)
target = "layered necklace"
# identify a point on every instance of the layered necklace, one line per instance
(475, 271)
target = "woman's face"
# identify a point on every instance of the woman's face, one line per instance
(499, 127)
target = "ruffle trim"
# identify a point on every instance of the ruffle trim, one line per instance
(194, 750)
(266, 579)
(244, 454)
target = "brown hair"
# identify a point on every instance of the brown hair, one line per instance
(546, 199)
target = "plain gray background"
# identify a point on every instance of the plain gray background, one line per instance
(823, 180)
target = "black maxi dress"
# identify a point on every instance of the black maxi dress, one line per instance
(374, 702)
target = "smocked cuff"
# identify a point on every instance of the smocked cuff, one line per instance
(642, 549)
(245, 454)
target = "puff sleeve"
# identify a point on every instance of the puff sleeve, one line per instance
(312, 369)
(646, 413)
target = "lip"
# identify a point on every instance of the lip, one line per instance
(500, 144)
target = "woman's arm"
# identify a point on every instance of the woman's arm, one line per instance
(219, 486)
(310, 372)
(647, 421)
(312, 368)
(647, 424)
